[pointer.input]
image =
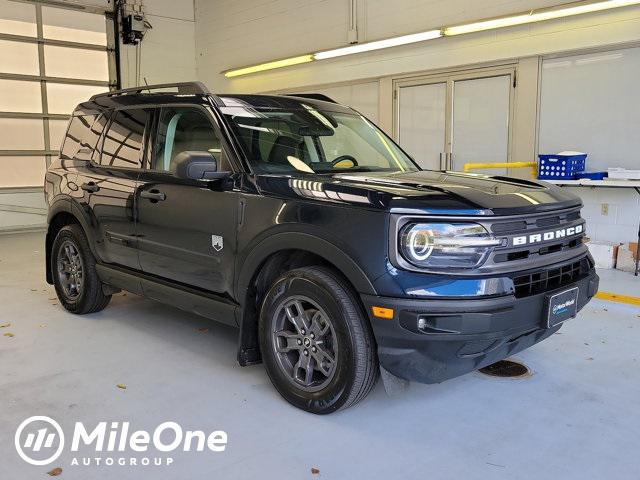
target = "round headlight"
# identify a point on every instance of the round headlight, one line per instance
(446, 245)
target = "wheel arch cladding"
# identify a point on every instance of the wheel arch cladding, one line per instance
(267, 261)
(60, 215)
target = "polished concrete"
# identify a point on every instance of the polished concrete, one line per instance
(576, 417)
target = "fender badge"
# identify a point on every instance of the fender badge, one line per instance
(217, 242)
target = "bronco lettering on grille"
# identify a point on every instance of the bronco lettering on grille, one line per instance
(546, 236)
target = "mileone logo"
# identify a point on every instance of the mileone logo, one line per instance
(561, 307)
(546, 236)
(40, 440)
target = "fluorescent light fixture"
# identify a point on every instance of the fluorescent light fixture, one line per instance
(269, 66)
(377, 45)
(538, 16)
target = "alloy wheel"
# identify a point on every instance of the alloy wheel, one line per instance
(305, 343)
(70, 270)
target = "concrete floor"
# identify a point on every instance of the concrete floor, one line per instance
(576, 417)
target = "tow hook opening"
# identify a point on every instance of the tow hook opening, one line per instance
(506, 369)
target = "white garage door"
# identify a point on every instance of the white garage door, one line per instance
(52, 58)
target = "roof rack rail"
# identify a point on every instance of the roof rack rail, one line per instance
(184, 88)
(312, 96)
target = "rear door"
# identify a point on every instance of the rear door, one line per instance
(187, 229)
(109, 184)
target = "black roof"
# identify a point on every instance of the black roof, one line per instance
(100, 103)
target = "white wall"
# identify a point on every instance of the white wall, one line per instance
(233, 34)
(620, 223)
(168, 49)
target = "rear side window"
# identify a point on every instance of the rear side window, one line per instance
(123, 143)
(82, 136)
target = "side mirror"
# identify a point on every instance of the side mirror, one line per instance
(198, 166)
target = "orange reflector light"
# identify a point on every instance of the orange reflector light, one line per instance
(381, 312)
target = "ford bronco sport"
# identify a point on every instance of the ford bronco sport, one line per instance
(300, 222)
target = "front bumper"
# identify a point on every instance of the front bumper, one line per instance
(458, 336)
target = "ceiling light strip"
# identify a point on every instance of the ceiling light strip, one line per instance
(378, 45)
(537, 16)
(286, 62)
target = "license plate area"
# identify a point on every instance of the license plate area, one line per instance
(562, 306)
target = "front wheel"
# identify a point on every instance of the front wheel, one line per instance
(317, 346)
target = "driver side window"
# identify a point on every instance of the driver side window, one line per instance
(182, 129)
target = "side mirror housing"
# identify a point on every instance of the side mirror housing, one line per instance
(198, 166)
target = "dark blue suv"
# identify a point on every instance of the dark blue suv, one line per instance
(300, 222)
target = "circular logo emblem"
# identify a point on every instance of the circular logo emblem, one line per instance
(39, 440)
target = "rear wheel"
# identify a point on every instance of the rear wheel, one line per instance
(317, 346)
(74, 272)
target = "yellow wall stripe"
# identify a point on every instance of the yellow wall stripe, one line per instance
(615, 297)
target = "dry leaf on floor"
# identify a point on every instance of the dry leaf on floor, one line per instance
(315, 471)
(42, 325)
(9, 335)
(55, 472)
(203, 330)
(4, 325)
(121, 386)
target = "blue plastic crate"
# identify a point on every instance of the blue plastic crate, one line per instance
(560, 167)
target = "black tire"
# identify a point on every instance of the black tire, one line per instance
(355, 370)
(89, 298)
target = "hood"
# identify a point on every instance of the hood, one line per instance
(432, 192)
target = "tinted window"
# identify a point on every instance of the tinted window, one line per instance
(124, 141)
(82, 136)
(184, 129)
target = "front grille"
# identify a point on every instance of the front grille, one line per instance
(549, 279)
(508, 227)
(535, 224)
(546, 250)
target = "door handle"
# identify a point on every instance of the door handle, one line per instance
(153, 195)
(90, 187)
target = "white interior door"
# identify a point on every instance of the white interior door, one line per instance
(481, 111)
(451, 119)
(422, 122)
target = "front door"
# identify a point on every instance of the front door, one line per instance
(186, 229)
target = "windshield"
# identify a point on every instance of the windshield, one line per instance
(314, 141)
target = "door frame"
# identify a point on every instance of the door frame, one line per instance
(449, 78)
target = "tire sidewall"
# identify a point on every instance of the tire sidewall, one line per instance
(336, 393)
